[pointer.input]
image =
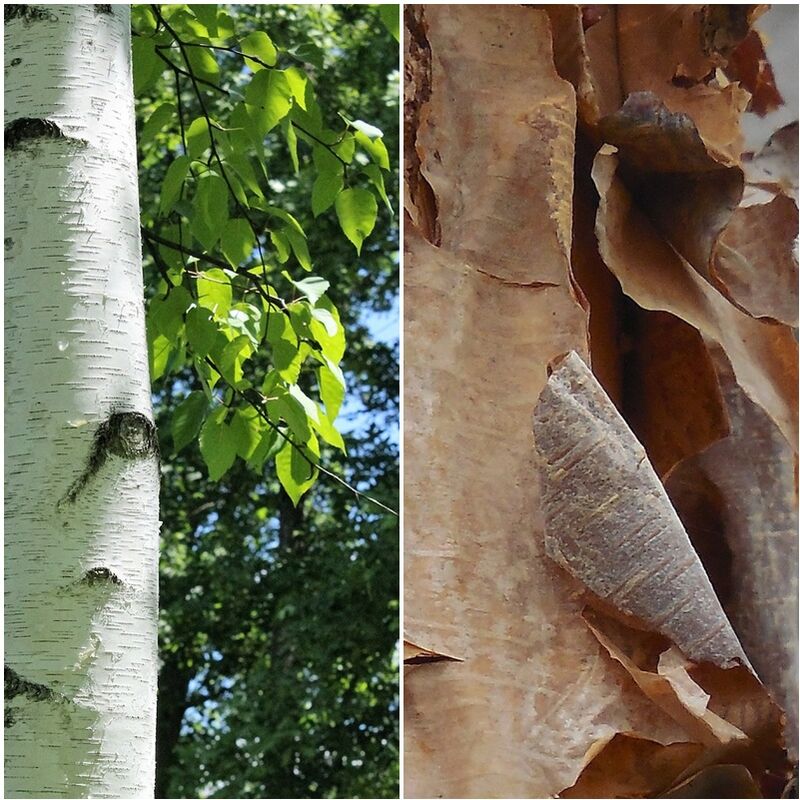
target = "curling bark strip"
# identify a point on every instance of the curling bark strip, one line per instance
(81, 541)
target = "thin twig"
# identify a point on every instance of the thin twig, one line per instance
(217, 262)
(299, 448)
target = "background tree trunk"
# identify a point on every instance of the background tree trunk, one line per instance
(81, 544)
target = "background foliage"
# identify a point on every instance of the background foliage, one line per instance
(279, 622)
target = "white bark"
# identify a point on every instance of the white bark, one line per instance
(81, 530)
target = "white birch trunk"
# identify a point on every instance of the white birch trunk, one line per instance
(81, 519)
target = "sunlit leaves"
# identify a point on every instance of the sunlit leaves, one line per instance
(312, 287)
(166, 313)
(295, 472)
(329, 181)
(210, 210)
(163, 116)
(187, 420)
(259, 44)
(237, 241)
(357, 211)
(146, 64)
(214, 292)
(269, 98)
(331, 390)
(375, 175)
(207, 15)
(375, 148)
(201, 331)
(173, 181)
(228, 321)
(198, 137)
(203, 61)
(217, 445)
(390, 17)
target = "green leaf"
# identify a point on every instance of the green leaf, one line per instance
(268, 445)
(357, 210)
(173, 182)
(210, 208)
(281, 243)
(313, 287)
(287, 356)
(158, 120)
(167, 312)
(143, 21)
(203, 62)
(329, 181)
(328, 432)
(233, 355)
(217, 445)
(296, 475)
(333, 346)
(297, 83)
(327, 319)
(249, 320)
(346, 148)
(280, 213)
(198, 138)
(331, 390)
(311, 54)
(214, 292)
(247, 430)
(390, 17)
(237, 189)
(285, 407)
(147, 66)
(291, 143)
(309, 406)
(187, 419)
(269, 99)
(375, 148)
(207, 14)
(373, 172)
(237, 241)
(300, 317)
(299, 247)
(242, 167)
(260, 45)
(288, 359)
(201, 331)
(159, 348)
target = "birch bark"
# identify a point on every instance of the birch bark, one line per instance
(81, 536)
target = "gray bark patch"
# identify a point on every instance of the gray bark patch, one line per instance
(127, 434)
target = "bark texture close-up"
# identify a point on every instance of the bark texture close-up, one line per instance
(81, 458)
(600, 405)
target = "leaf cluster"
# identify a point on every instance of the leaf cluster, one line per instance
(220, 103)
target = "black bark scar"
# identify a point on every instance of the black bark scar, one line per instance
(16, 685)
(26, 13)
(102, 8)
(28, 129)
(126, 434)
(100, 575)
